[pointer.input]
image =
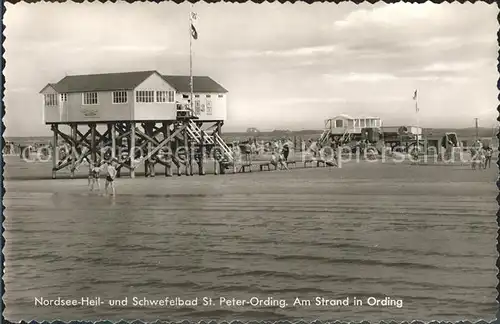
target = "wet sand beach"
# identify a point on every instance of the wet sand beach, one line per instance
(425, 235)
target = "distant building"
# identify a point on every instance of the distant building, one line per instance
(253, 130)
(344, 123)
(137, 96)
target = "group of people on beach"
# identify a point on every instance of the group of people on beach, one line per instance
(279, 157)
(281, 150)
(95, 169)
(481, 156)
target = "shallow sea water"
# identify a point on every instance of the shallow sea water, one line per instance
(423, 235)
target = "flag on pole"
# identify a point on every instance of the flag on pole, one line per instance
(194, 18)
(416, 102)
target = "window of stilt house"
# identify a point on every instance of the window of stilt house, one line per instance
(90, 98)
(145, 96)
(164, 96)
(120, 97)
(339, 123)
(51, 99)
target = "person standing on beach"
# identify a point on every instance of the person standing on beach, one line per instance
(95, 173)
(285, 151)
(482, 158)
(110, 176)
(248, 152)
(476, 154)
(487, 158)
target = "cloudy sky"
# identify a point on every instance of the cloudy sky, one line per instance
(285, 65)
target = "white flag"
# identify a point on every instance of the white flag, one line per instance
(416, 102)
(194, 19)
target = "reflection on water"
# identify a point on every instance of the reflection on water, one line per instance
(435, 253)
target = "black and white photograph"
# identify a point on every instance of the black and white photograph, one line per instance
(252, 162)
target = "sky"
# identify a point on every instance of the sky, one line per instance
(286, 66)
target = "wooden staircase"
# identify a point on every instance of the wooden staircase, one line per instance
(198, 135)
(324, 136)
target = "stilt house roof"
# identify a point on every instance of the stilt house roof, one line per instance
(130, 80)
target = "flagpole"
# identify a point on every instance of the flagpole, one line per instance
(191, 56)
(418, 124)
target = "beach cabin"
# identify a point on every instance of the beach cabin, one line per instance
(344, 123)
(131, 96)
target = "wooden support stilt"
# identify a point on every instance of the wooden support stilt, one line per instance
(187, 154)
(215, 154)
(222, 168)
(132, 150)
(201, 155)
(191, 157)
(147, 169)
(113, 140)
(151, 163)
(55, 152)
(169, 157)
(178, 144)
(109, 131)
(73, 150)
(122, 132)
(154, 157)
(92, 142)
